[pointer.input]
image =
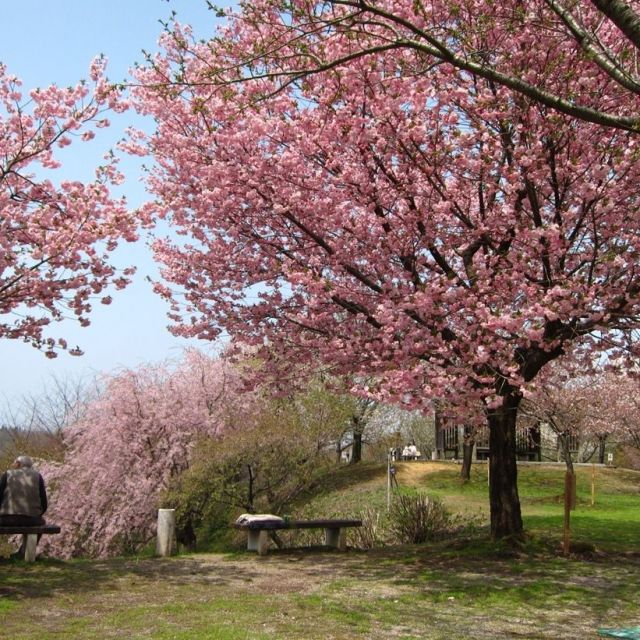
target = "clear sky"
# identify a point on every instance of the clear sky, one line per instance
(54, 41)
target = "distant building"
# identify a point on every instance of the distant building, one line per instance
(533, 443)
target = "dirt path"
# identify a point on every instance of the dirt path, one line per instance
(415, 473)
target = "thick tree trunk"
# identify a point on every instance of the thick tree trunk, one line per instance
(506, 519)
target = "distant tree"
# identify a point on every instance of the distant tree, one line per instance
(599, 407)
(55, 238)
(562, 409)
(33, 424)
(259, 466)
(613, 404)
(265, 461)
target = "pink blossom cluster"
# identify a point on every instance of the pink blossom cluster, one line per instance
(441, 196)
(603, 404)
(391, 216)
(56, 238)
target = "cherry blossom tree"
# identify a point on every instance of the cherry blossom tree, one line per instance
(565, 409)
(627, 411)
(431, 230)
(131, 441)
(614, 414)
(557, 53)
(55, 238)
(599, 407)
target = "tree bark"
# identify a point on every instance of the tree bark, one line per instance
(506, 518)
(356, 449)
(601, 448)
(467, 453)
(623, 16)
(250, 478)
(536, 441)
(565, 448)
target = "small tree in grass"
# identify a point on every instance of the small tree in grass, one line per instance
(262, 464)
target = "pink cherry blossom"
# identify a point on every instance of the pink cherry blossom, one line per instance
(55, 238)
(347, 193)
(130, 441)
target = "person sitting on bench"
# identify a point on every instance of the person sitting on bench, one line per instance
(23, 497)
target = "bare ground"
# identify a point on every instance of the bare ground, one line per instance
(395, 594)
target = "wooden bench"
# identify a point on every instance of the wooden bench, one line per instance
(258, 531)
(30, 537)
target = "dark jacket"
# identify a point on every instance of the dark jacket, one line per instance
(22, 492)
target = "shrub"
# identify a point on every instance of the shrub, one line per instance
(418, 518)
(369, 535)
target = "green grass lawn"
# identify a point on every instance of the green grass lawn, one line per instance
(612, 523)
(461, 587)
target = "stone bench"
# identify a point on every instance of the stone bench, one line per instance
(258, 531)
(30, 536)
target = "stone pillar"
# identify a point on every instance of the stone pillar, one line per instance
(30, 543)
(166, 541)
(335, 538)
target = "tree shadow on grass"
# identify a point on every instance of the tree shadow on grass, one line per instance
(344, 477)
(437, 572)
(48, 577)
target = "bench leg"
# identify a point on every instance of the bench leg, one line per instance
(336, 538)
(263, 543)
(30, 541)
(258, 540)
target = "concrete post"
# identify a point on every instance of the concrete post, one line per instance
(30, 543)
(166, 541)
(335, 538)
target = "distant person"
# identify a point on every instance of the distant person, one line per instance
(23, 496)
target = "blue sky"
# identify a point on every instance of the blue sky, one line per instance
(54, 41)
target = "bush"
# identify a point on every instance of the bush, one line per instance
(418, 518)
(369, 535)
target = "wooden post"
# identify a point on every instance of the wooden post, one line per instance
(569, 484)
(166, 539)
(593, 485)
(574, 492)
(488, 472)
(389, 481)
